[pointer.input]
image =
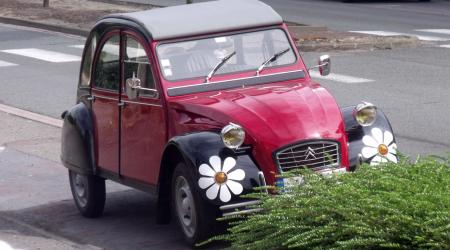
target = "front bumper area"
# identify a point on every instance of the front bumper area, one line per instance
(248, 207)
(241, 208)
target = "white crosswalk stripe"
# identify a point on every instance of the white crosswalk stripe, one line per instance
(340, 78)
(389, 33)
(45, 55)
(78, 46)
(377, 32)
(429, 38)
(438, 31)
(6, 64)
(445, 46)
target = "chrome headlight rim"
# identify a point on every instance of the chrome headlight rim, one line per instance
(230, 128)
(365, 107)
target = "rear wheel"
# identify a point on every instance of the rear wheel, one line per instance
(88, 193)
(195, 220)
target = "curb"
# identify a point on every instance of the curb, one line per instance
(31, 116)
(128, 2)
(337, 46)
(297, 29)
(136, 2)
(45, 26)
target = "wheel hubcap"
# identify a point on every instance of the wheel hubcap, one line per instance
(80, 188)
(185, 206)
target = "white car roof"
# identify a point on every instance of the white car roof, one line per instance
(203, 18)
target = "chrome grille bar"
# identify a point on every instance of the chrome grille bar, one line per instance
(301, 151)
(331, 156)
(315, 154)
(299, 155)
(313, 164)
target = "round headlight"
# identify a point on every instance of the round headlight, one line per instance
(233, 135)
(365, 113)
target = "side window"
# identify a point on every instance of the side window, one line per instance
(85, 77)
(136, 63)
(107, 68)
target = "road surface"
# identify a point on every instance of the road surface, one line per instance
(39, 73)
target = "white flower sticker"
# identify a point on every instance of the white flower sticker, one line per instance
(218, 179)
(380, 147)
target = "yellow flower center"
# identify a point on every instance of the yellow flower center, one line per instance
(383, 149)
(220, 177)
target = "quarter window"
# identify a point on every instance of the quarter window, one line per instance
(137, 64)
(107, 68)
(85, 77)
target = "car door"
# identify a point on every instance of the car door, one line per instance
(143, 128)
(105, 93)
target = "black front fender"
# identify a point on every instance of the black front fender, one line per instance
(356, 132)
(77, 140)
(198, 148)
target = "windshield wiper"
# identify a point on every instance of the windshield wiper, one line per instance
(218, 65)
(271, 59)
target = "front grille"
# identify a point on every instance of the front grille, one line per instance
(314, 155)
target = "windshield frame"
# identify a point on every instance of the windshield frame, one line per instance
(229, 33)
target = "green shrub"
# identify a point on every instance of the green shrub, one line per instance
(394, 206)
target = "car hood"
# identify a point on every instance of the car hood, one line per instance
(273, 115)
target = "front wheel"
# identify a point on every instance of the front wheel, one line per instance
(195, 219)
(88, 193)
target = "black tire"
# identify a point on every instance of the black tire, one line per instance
(203, 214)
(91, 201)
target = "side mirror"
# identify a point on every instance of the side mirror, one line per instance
(324, 65)
(132, 87)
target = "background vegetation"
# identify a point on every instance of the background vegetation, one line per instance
(394, 206)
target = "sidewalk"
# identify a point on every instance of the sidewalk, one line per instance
(78, 17)
(68, 16)
(156, 3)
(31, 175)
(36, 206)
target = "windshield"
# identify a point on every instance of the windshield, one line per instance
(197, 58)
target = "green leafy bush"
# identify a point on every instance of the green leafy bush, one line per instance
(394, 206)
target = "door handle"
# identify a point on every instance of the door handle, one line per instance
(121, 104)
(91, 98)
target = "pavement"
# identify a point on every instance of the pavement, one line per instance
(69, 16)
(402, 16)
(393, 24)
(78, 16)
(38, 78)
(36, 206)
(409, 84)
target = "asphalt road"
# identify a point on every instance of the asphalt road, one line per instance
(36, 210)
(410, 85)
(397, 16)
(404, 16)
(38, 85)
